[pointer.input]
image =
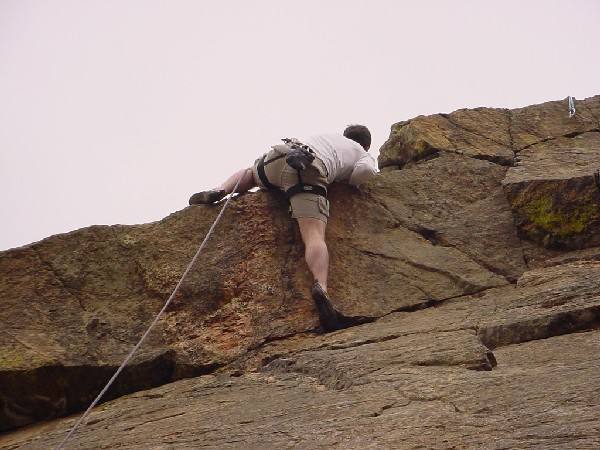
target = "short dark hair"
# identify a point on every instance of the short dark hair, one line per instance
(360, 134)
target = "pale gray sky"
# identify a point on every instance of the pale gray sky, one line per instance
(116, 111)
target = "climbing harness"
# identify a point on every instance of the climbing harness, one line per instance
(304, 187)
(572, 109)
(299, 157)
(137, 346)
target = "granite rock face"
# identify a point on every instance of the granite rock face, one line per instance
(75, 304)
(487, 133)
(469, 269)
(551, 158)
(449, 200)
(552, 193)
(514, 367)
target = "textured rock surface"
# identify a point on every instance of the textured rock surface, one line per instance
(476, 307)
(449, 200)
(480, 133)
(91, 293)
(487, 133)
(545, 302)
(552, 191)
(551, 157)
(498, 371)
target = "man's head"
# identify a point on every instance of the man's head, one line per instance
(360, 134)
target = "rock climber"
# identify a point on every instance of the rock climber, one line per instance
(303, 169)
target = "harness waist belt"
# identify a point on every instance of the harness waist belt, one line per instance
(303, 187)
(295, 189)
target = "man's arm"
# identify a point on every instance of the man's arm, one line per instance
(364, 169)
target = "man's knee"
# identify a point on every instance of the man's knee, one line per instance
(312, 230)
(316, 244)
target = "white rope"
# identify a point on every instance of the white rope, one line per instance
(187, 270)
(571, 106)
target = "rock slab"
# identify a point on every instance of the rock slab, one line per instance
(443, 377)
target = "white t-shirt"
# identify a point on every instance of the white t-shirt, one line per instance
(344, 158)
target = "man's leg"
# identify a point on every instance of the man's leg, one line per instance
(315, 248)
(317, 259)
(245, 185)
(216, 194)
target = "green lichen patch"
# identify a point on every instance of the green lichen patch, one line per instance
(543, 214)
(558, 218)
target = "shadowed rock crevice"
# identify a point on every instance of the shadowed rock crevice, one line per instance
(61, 390)
(541, 396)
(566, 322)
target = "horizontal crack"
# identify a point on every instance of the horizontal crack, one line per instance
(158, 419)
(567, 135)
(536, 328)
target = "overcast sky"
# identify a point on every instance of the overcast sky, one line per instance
(117, 111)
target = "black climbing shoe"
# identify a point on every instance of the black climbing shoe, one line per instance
(331, 320)
(207, 197)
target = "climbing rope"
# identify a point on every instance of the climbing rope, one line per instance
(137, 346)
(571, 106)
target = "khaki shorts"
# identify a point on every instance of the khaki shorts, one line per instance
(280, 174)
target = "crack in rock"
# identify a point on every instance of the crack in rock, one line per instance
(553, 138)
(468, 130)
(57, 277)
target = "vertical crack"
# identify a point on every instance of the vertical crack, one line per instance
(57, 277)
(596, 118)
(511, 137)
